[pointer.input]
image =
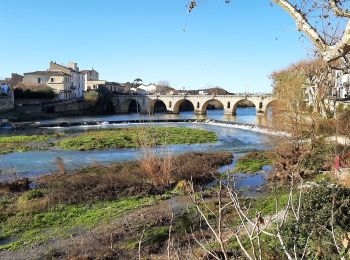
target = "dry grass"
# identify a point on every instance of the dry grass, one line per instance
(158, 169)
(14, 186)
(60, 165)
(151, 176)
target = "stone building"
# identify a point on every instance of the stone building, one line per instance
(91, 79)
(66, 81)
(59, 81)
(77, 78)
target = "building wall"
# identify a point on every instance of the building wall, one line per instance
(61, 85)
(77, 78)
(32, 79)
(115, 88)
(93, 84)
(55, 66)
(90, 77)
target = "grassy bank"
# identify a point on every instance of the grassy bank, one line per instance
(63, 205)
(253, 162)
(133, 137)
(10, 144)
(136, 137)
(28, 228)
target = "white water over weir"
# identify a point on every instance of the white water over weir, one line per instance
(243, 126)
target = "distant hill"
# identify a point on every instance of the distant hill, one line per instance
(215, 91)
(164, 89)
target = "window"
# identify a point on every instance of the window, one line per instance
(228, 104)
(52, 79)
(198, 104)
(39, 80)
(169, 104)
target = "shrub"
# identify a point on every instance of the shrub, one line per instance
(42, 92)
(92, 97)
(316, 214)
(132, 178)
(157, 169)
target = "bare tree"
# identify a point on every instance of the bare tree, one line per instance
(325, 22)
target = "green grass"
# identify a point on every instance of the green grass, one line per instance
(136, 137)
(267, 203)
(64, 220)
(11, 144)
(252, 162)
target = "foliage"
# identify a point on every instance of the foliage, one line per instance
(343, 120)
(104, 103)
(38, 93)
(316, 215)
(92, 97)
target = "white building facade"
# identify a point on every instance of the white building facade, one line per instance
(76, 81)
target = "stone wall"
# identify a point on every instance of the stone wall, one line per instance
(32, 101)
(71, 106)
(7, 102)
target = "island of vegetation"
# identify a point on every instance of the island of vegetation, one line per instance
(133, 137)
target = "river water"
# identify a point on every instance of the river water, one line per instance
(36, 163)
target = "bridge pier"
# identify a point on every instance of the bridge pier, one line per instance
(230, 112)
(200, 112)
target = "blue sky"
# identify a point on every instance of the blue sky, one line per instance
(235, 46)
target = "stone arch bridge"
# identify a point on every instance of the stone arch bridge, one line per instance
(146, 103)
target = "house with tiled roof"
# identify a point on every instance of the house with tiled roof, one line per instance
(66, 81)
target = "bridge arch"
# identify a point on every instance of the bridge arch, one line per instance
(132, 105)
(214, 102)
(183, 105)
(269, 106)
(246, 103)
(157, 106)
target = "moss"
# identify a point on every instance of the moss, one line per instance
(252, 162)
(63, 220)
(136, 137)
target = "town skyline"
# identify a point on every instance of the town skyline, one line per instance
(155, 47)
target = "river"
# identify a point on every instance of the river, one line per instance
(36, 163)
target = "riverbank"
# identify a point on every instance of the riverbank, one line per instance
(141, 207)
(70, 203)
